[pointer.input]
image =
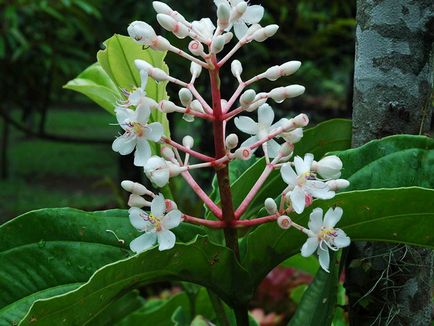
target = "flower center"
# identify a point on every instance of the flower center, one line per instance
(155, 221)
(137, 128)
(327, 234)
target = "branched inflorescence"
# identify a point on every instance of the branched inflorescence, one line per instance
(306, 178)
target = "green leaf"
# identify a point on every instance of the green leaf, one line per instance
(395, 161)
(317, 305)
(199, 262)
(379, 215)
(52, 251)
(328, 136)
(97, 85)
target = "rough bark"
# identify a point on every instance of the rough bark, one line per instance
(391, 284)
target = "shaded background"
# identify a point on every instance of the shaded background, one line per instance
(55, 144)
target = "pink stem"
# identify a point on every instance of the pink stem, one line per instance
(199, 114)
(267, 138)
(198, 155)
(245, 204)
(256, 221)
(234, 97)
(233, 113)
(202, 195)
(196, 94)
(201, 221)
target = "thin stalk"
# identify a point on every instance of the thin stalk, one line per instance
(218, 308)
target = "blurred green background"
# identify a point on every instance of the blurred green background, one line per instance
(55, 144)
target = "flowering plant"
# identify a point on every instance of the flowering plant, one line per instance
(85, 266)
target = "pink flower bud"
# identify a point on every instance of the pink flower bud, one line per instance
(338, 184)
(301, 120)
(288, 68)
(166, 106)
(171, 25)
(196, 106)
(218, 44)
(243, 153)
(281, 93)
(308, 200)
(293, 136)
(238, 11)
(273, 73)
(141, 32)
(160, 44)
(265, 32)
(247, 98)
(231, 141)
(170, 205)
(252, 29)
(135, 188)
(167, 153)
(196, 48)
(137, 201)
(162, 8)
(270, 206)
(328, 167)
(286, 149)
(155, 73)
(185, 96)
(236, 68)
(284, 222)
(223, 15)
(188, 141)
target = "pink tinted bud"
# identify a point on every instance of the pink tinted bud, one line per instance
(273, 73)
(247, 98)
(137, 201)
(328, 167)
(286, 149)
(155, 73)
(162, 8)
(218, 44)
(166, 106)
(231, 141)
(238, 11)
(281, 93)
(196, 48)
(223, 15)
(338, 184)
(167, 153)
(171, 25)
(308, 199)
(185, 96)
(293, 136)
(270, 206)
(236, 68)
(160, 44)
(141, 32)
(284, 222)
(170, 205)
(135, 188)
(188, 141)
(288, 68)
(301, 120)
(243, 153)
(196, 106)
(195, 69)
(252, 29)
(265, 32)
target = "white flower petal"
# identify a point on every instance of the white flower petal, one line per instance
(307, 162)
(315, 220)
(249, 141)
(273, 148)
(324, 258)
(137, 220)
(298, 200)
(142, 153)
(309, 246)
(124, 144)
(342, 240)
(288, 175)
(332, 217)
(142, 114)
(265, 116)
(123, 115)
(247, 125)
(166, 239)
(172, 219)
(240, 29)
(144, 242)
(253, 14)
(299, 165)
(161, 177)
(143, 79)
(219, 2)
(155, 131)
(158, 206)
(318, 189)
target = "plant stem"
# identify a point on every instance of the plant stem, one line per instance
(241, 316)
(218, 308)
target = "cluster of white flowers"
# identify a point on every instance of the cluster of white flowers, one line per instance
(306, 178)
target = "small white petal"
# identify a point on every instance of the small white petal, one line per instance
(142, 114)
(219, 2)
(332, 217)
(273, 148)
(324, 258)
(240, 29)
(249, 141)
(308, 159)
(309, 246)
(253, 14)
(247, 125)
(299, 165)
(142, 153)
(124, 144)
(172, 219)
(123, 115)
(298, 200)
(342, 240)
(315, 220)
(158, 206)
(143, 79)
(166, 239)
(265, 116)
(161, 177)
(144, 242)
(288, 175)
(136, 218)
(155, 131)
(318, 189)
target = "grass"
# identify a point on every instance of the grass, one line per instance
(53, 174)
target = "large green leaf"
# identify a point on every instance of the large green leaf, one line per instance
(96, 84)
(395, 161)
(404, 215)
(200, 262)
(318, 303)
(52, 251)
(332, 135)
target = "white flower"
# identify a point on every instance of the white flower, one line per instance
(302, 185)
(158, 170)
(260, 130)
(156, 226)
(251, 15)
(137, 133)
(323, 235)
(138, 96)
(328, 167)
(204, 27)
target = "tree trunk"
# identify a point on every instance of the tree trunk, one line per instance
(391, 284)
